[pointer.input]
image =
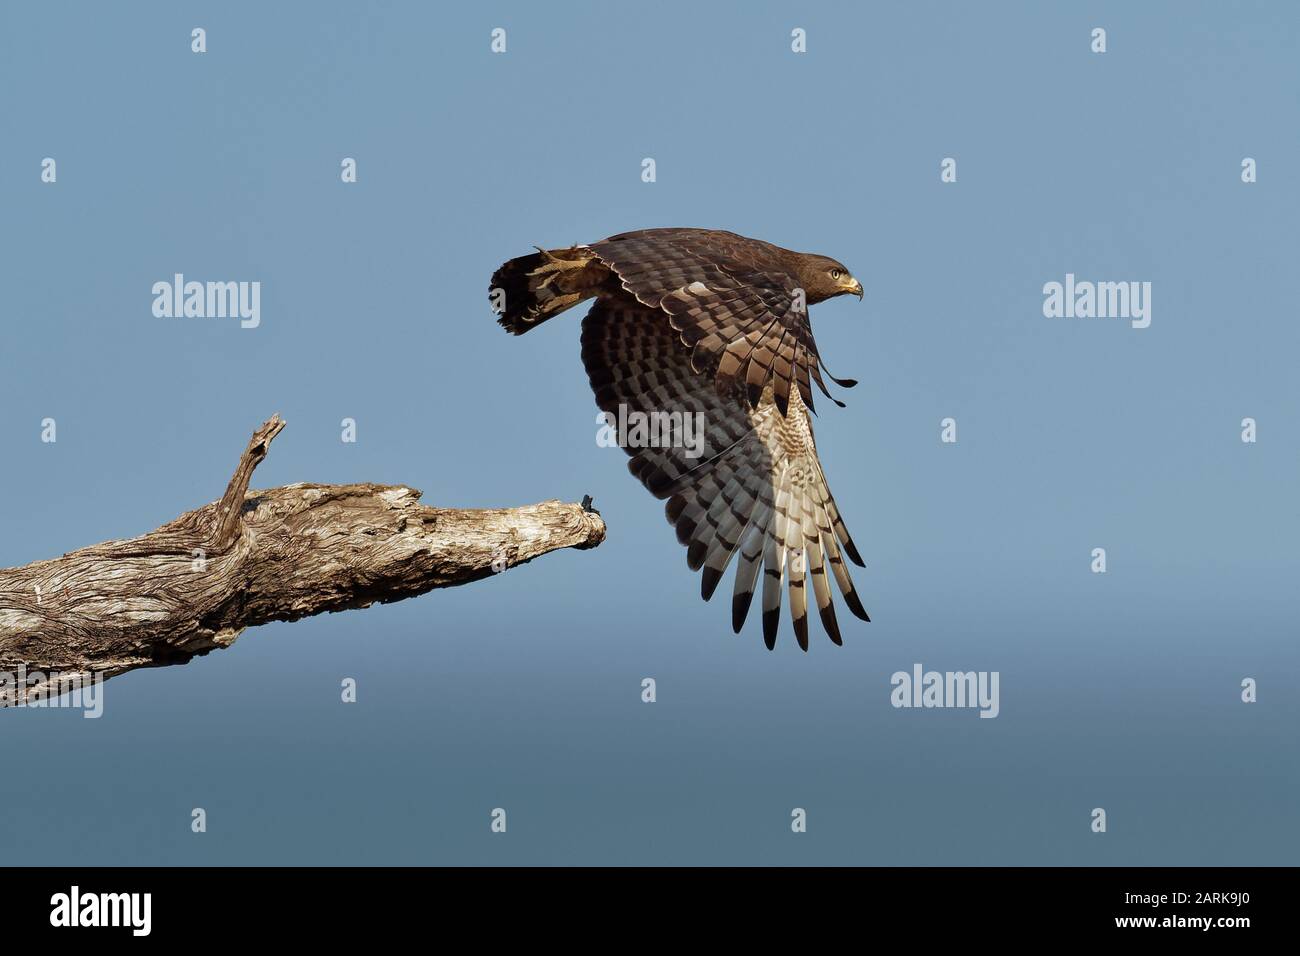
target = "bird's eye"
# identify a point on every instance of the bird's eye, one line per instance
(835, 273)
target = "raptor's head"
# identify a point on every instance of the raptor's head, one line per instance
(822, 278)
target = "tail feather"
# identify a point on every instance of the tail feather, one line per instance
(527, 291)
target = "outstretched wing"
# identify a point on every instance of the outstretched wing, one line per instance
(734, 302)
(748, 482)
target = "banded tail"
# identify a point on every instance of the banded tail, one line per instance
(529, 290)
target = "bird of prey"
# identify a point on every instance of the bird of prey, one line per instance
(709, 323)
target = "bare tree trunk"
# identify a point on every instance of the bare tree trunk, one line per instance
(256, 556)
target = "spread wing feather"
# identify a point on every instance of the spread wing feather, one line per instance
(733, 301)
(753, 489)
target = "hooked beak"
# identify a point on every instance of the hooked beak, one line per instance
(856, 289)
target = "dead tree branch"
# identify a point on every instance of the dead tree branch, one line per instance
(256, 556)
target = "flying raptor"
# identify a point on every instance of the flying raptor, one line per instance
(709, 323)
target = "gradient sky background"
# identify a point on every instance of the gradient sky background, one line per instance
(1118, 690)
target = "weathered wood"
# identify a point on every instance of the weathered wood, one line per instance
(194, 584)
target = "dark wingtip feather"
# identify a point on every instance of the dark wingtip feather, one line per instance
(709, 579)
(685, 531)
(740, 610)
(695, 554)
(771, 621)
(821, 386)
(832, 626)
(841, 382)
(851, 549)
(801, 632)
(855, 605)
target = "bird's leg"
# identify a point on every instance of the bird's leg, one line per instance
(557, 264)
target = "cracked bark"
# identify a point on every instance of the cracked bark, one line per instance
(196, 583)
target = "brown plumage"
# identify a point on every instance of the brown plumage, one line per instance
(709, 322)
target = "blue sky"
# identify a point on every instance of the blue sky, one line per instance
(1118, 690)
